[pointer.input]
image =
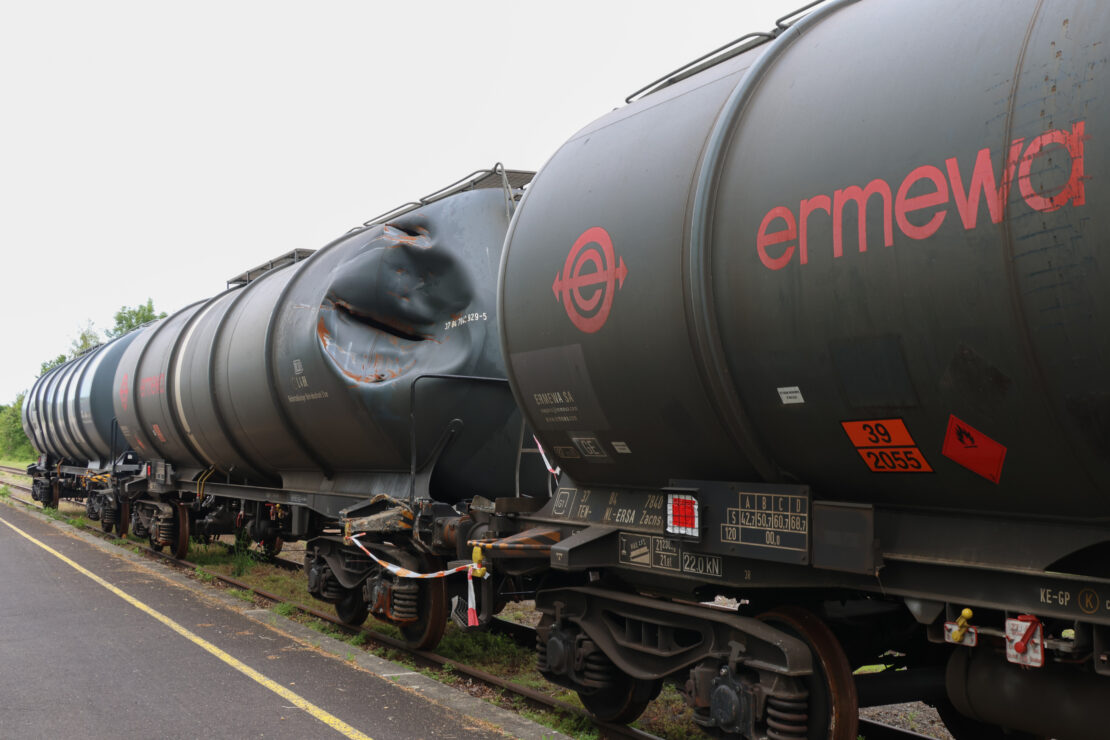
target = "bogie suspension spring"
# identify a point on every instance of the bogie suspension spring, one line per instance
(787, 719)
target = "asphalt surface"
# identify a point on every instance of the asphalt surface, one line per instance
(78, 660)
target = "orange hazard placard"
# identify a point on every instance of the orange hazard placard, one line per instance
(895, 460)
(878, 433)
(886, 446)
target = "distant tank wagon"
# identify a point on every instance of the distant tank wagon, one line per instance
(367, 373)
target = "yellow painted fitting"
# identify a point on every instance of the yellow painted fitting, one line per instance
(477, 556)
(962, 623)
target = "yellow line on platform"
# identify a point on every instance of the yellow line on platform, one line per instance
(328, 719)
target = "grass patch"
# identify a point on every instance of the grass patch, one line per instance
(284, 609)
(242, 595)
(208, 553)
(5, 492)
(568, 724)
(325, 628)
(238, 560)
(203, 575)
(79, 522)
(495, 653)
(387, 629)
(669, 716)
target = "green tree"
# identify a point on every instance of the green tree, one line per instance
(49, 365)
(13, 442)
(86, 340)
(132, 318)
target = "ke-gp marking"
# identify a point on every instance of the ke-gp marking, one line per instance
(783, 232)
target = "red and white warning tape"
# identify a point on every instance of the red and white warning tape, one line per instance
(471, 608)
(553, 470)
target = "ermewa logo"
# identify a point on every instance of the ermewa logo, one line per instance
(783, 233)
(591, 275)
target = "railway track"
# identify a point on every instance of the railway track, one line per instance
(868, 729)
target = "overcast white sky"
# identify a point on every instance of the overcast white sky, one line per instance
(155, 149)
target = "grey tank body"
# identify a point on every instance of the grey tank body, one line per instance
(304, 377)
(689, 290)
(68, 411)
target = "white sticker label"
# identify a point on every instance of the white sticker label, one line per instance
(791, 394)
(1025, 642)
(622, 448)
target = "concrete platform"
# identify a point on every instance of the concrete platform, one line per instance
(98, 642)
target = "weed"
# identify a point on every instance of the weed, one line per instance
(204, 575)
(387, 629)
(120, 542)
(285, 609)
(669, 716)
(242, 561)
(324, 628)
(497, 654)
(350, 657)
(359, 639)
(242, 595)
(79, 522)
(395, 655)
(5, 492)
(577, 727)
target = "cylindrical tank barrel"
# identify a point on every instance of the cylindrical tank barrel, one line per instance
(68, 411)
(304, 376)
(865, 255)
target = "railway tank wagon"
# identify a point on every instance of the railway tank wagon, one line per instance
(68, 418)
(821, 324)
(365, 378)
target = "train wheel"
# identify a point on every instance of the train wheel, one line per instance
(623, 702)
(352, 609)
(181, 522)
(124, 518)
(833, 704)
(426, 633)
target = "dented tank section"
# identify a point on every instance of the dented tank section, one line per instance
(305, 376)
(68, 412)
